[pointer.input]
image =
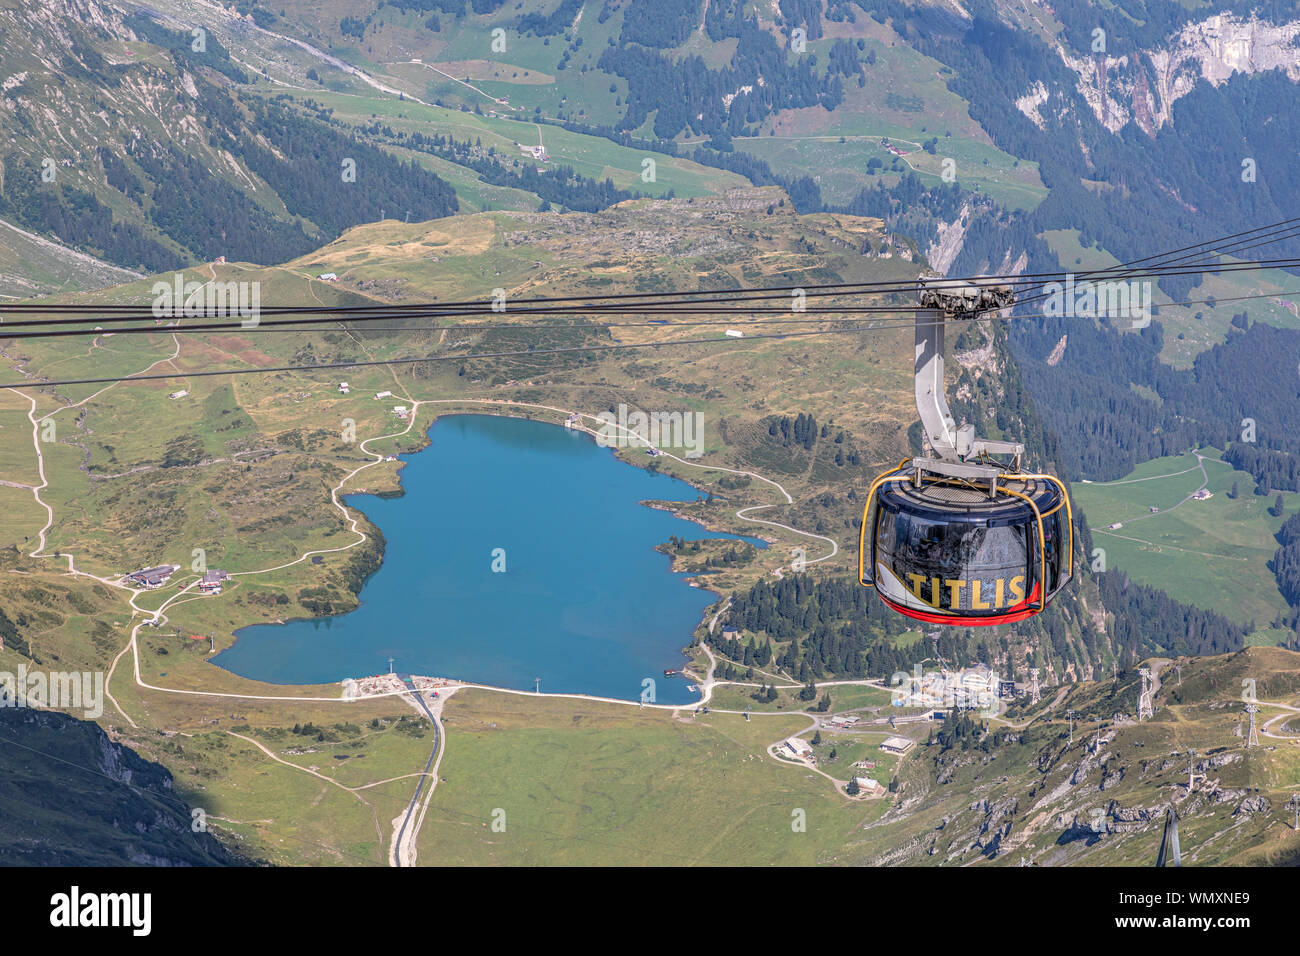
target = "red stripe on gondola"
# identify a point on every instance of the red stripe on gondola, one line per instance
(1014, 613)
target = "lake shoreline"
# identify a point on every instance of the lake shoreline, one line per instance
(319, 623)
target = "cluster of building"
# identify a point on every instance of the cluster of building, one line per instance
(150, 579)
(972, 687)
(890, 246)
(536, 152)
(401, 411)
(796, 748)
(891, 148)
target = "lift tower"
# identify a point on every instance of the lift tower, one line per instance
(1145, 703)
(1252, 736)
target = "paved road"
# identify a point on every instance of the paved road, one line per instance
(402, 855)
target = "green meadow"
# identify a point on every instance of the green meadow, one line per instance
(597, 783)
(1212, 554)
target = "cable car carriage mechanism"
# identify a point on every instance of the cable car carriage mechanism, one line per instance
(963, 536)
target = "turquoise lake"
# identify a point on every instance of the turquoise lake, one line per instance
(585, 602)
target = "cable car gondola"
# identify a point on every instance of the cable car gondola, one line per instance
(963, 537)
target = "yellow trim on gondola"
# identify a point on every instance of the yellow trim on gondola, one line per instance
(866, 511)
(1042, 547)
(1069, 515)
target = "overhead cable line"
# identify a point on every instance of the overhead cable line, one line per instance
(1289, 228)
(520, 352)
(343, 314)
(811, 318)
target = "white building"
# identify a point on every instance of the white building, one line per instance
(797, 748)
(151, 579)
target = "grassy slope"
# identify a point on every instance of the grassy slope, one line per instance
(1192, 328)
(586, 783)
(905, 99)
(31, 266)
(1212, 554)
(589, 156)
